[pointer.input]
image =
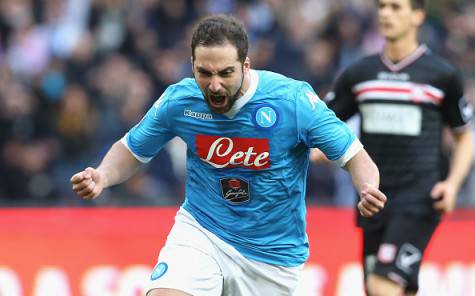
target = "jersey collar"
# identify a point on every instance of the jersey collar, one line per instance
(254, 80)
(396, 67)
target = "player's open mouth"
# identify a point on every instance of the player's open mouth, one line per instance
(217, 101)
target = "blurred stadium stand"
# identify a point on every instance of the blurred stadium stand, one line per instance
(76, 75)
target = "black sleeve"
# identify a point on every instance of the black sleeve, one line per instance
(456, 110)
(341, 98)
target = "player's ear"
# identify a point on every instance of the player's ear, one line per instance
(418, 17)
(191, 61)
(246, 65)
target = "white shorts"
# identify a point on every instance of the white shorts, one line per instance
(197, 262)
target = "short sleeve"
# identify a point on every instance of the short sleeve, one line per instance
(456, 110)
(148, 137)
(320, 128)
(341, 98)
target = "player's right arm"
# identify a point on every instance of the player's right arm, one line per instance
(125, 157)
(117, 166)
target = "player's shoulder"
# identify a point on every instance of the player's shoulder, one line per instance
(186, 88)
(365, 63)
(439, 63)
(276, 85)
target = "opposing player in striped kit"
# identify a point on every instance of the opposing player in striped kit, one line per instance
(241, 229)
(405, 96)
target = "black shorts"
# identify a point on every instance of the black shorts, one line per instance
(394, 248)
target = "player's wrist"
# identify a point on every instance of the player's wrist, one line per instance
(454, 183)
(103, 179)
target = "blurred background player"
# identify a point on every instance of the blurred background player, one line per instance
(405, 96)
(241, 228)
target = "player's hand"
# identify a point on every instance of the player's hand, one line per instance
(444, 195)
(88, 184)
(372, 200)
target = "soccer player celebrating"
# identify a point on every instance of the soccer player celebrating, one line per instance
(241, 228)
(405, 96)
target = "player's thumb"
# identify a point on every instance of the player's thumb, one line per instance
(437, 191)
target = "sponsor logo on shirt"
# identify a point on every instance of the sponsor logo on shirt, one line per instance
(197, 115)
(235, 190)
(225, 152)
(394, 76)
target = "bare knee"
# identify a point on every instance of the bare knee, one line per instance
(380, 286)
(167, 292)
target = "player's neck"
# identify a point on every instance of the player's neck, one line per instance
(245, 84)
(397, 50)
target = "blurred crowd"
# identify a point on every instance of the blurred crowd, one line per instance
(76, 75)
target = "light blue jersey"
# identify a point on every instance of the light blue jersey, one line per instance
(246, 169)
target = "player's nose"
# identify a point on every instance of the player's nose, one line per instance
(215, 84)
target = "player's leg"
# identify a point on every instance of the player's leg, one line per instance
(381, 286)
(184, 270)
(186, 264)
(243, 277)
(372, 236)
(399, 255)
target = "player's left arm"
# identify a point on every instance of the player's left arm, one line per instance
(320, 128)
(365, 176)
(445, 192)
(458, 114)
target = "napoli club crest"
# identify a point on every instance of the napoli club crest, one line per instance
(265, 116)
(235, 190)
(159, 270)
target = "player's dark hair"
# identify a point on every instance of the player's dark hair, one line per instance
(219, 29)
(418, 4)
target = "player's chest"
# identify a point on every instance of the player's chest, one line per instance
(251, 139)
(392, 104)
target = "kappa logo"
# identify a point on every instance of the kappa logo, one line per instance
(157, 103)
(465, 109)
(198, 115)
(313, 99)
(408, 255)
(224, 152)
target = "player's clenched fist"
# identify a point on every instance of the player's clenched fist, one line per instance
(372, 200)
(88, 184)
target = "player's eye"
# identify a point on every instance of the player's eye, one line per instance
(226, 73)
(204, 73)
(395, 6)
